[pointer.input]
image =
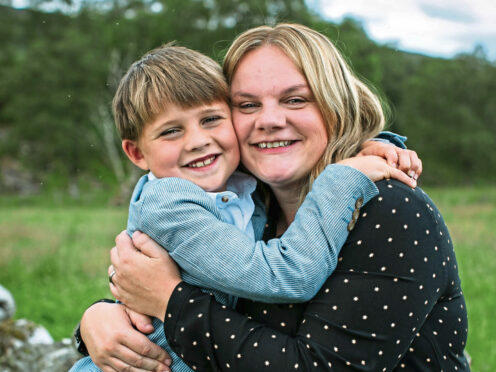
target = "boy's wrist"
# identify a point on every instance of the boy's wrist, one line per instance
(392, 138)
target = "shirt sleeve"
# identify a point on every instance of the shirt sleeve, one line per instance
(395, 267)
(184, 220)
(392, 138)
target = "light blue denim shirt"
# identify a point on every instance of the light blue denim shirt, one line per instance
(191, 225)
(236, 203)
(186, 221)
(391, 138)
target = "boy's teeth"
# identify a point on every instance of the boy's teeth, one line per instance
(202, 163)
(270, 145)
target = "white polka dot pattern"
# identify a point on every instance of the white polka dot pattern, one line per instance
(390, 305)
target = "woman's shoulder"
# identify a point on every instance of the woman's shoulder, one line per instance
(397, 201)
(396, 192)
(398, 229)
(394, 187)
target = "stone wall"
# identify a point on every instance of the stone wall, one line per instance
(26, 346)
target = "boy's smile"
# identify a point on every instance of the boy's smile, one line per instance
(198, 144)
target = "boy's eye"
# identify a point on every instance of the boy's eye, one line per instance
(211, 119)
(170, 132)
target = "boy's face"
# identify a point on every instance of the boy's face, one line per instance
(198, 144)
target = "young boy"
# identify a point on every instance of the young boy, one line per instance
(172, 114)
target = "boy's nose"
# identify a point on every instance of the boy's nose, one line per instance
(198, 141)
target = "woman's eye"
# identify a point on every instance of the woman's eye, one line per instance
(247, 107)
(296, 101)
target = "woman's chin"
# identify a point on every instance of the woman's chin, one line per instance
(284, 178)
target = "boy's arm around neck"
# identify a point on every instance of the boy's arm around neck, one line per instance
(183, 219)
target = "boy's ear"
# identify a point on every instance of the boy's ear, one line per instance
(134, 153)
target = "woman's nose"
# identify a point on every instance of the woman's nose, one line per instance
(270, 118)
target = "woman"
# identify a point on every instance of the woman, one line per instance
(395, 299)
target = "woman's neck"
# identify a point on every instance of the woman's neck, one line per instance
(288, 200)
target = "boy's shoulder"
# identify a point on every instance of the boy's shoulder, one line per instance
(138, 188)
(152, 184)
(238, 182)
(149, 185)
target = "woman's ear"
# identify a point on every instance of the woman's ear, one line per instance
(134, 153)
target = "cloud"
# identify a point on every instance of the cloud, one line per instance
(447, 13)
(434, 27)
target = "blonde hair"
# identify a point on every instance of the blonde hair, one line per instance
(163, 76)
(352, 113)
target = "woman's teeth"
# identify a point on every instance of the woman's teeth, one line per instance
(271, 145)
(202, 163)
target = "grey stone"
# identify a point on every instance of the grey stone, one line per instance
(7, 304)
(27, 346)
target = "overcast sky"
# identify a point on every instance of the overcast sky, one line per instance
(435, 27)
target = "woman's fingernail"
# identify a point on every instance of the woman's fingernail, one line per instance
(136, 234)
(415, 176)
(168, 362)
(411, 174)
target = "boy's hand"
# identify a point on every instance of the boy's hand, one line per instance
(376, 168)
(403, 159)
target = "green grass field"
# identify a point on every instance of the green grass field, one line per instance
(54, 261)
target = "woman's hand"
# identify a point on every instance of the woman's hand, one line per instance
(403, 159)
(377, 168)
(114, 345)
(145, 275)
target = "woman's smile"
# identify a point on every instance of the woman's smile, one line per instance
(273, 144)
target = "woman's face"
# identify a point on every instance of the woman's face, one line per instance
(280, 129)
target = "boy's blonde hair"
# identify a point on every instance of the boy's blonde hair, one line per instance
(352, 113)
(166, 75)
